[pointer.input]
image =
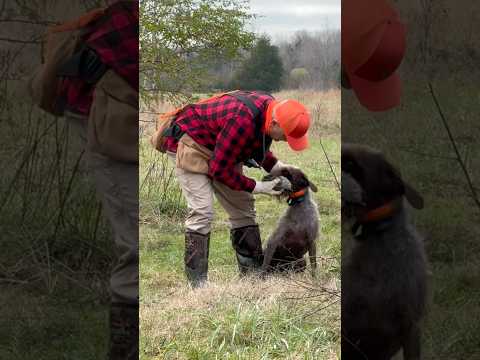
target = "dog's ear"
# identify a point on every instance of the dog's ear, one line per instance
(413, 197)
(286, 173)
(307, 182)
(312, 185)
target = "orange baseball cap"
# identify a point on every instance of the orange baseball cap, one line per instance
(373, 46)
(294, 119)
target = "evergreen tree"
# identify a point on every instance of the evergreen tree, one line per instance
(262, 70)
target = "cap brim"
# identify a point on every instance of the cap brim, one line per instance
(298, 144)
(379, 95)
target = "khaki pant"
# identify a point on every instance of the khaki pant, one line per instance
(116, 184)
(199, 189)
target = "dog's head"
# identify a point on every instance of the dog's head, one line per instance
(296, 177)
(370, 181)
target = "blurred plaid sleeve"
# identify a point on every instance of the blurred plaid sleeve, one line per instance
(115, 39)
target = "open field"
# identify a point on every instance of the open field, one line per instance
(284, 318)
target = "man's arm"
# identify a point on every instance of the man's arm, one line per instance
(269, 161)
(235, 135)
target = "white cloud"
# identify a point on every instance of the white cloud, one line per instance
(283, 18)
(297, 10)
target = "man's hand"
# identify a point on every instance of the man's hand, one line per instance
(267, 187)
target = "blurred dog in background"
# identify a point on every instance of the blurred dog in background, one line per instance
(383, 260)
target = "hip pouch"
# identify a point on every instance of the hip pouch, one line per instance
(164, 124)
(113, 119)
(192, 156)
(62, 51)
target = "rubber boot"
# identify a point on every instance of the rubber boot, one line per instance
(248, 248)
(123, 332)
(196, 257)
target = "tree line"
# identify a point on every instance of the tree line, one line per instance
(305, 61)
(195, 47)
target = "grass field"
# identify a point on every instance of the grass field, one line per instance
(414, 138)
(233, 318)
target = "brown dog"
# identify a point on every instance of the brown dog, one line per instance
(384, 272)
(297, 229)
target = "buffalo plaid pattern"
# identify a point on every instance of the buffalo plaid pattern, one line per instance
(114, 37)
(226, 126)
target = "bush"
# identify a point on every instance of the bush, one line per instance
(298, 78)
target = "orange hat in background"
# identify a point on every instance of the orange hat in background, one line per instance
(373, 46)
(294, 120)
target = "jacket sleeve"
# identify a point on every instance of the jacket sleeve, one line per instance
(235, 135)
(269, 161)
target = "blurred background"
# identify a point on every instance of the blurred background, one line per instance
(437, 149)
(56, 250)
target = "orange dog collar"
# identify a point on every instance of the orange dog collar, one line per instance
(382, 212)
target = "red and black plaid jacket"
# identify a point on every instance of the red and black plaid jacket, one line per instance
(114, 37)
(226, 126)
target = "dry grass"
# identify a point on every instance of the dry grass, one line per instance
(182, 300)
(249, 317)
(324, 108)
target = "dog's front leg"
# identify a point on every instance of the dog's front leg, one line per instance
(268, 255)
(411, 345)
(312, 254)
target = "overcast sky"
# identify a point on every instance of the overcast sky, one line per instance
(281, 18)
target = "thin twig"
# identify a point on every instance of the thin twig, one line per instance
(152, 112)
(452, 140)
(32, 22)
(331, 167)
(426, 154)
(18, 41)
